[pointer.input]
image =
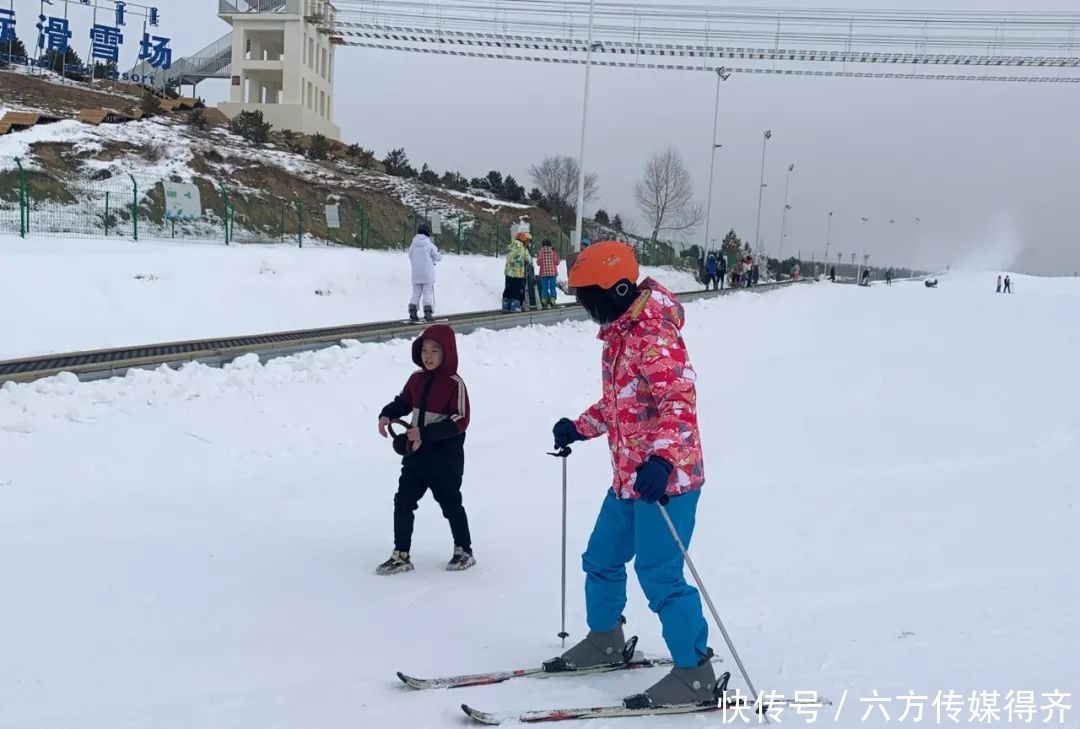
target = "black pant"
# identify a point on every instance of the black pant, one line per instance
(514, 289)
(445, 486)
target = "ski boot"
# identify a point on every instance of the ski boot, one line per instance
(695, 685)
(506, 305)
(461, 560)
(428, 314)
(398, 562)
(412, 314)
(596, 649)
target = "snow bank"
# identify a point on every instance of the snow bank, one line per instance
(59, 295)
(890, 508)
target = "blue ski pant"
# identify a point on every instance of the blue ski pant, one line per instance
(547, 288)
(632, 529)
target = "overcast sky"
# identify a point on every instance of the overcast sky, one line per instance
(993, 170)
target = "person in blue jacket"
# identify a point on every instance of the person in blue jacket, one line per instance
(712, 272)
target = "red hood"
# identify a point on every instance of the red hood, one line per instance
(444, 335)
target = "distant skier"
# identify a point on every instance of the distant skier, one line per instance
(423, 255)
(1008, 285)
(435, 452)
(888, 277)
(999, 284)
(712, 272)
(548, 260)
(648, 411)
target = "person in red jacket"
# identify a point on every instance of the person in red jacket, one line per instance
(648, 410)
(434, 457)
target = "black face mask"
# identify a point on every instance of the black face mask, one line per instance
(607, 305)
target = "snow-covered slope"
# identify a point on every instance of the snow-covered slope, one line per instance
(890, 507)
(61, 295)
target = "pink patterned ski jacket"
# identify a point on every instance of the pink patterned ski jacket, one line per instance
(649, 401)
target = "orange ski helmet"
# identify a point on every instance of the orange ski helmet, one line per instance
(604, 264)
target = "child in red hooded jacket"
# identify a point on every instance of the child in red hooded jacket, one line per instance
(436, 397)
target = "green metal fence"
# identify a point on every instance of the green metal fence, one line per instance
(36, 202)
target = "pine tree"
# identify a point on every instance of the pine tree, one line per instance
(13, 50)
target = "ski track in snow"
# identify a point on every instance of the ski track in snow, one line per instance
(890, 506)
(90, 294)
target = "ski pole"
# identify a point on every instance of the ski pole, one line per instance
(563, 454)
(705, 594)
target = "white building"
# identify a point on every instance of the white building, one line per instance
(281, 64)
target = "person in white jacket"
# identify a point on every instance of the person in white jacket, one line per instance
(423, 255)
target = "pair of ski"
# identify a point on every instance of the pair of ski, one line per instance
(638, 660)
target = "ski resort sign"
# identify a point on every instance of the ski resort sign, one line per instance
(105, 39)
(182, 201)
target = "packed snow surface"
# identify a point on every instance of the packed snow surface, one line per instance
(890, 507)
(61, 295)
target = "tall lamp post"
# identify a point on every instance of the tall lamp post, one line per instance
(783, 217)
(828, 230)
(761, 189)
(584, 115)
(722, 74)
(858, 271)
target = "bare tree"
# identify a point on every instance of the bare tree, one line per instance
(666, 195)
(557, 178)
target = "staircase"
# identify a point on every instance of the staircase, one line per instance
(215, 60)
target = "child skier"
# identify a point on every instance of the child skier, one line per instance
(648, 411)
(423, 255)
(435, 458)
(548, 259)
(517, 258)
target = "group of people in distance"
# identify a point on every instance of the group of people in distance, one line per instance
(520, 273)
(648, 411)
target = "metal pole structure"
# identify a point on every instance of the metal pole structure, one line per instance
(858, 272)
(24, 201)
(581, 156)
(708, 600)
(564, 453)
(761, 189)
(828, 229)
(721, 75)
(783, 216)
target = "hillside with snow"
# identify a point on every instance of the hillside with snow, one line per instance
(92, 294)
(889, 519)
(82, 178)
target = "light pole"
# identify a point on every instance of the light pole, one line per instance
(722, 74)
(783, 216)
(581, 157)
(828, 229)
(858, 271)
(761, 189)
